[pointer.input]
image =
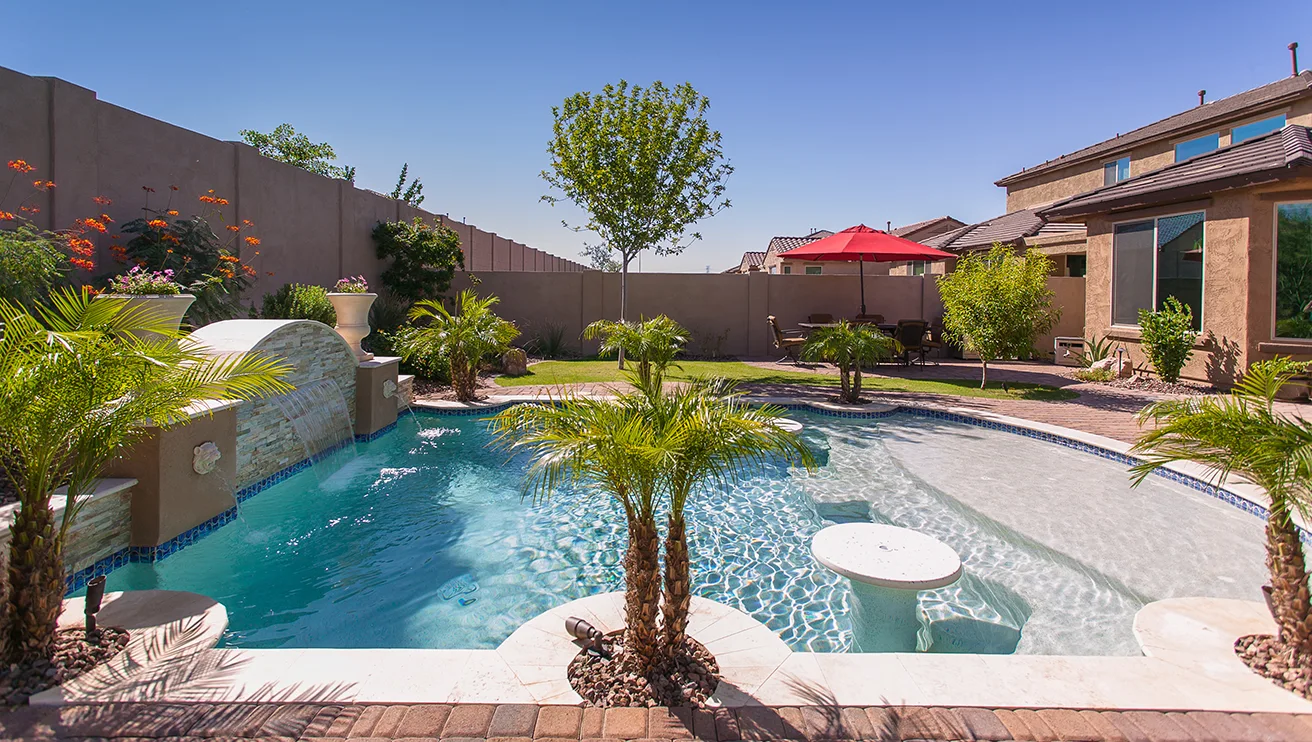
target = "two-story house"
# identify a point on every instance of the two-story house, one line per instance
(775, 257)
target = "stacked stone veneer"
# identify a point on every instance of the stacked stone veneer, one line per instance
(266, 441)
(100, 530)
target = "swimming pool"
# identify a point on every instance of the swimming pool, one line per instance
(423, 540)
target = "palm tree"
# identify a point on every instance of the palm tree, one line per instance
(466, 337)
(654, 343)
(1242, 434)
(849, 347)
(80, 381)
(614, 446)
(716, 438)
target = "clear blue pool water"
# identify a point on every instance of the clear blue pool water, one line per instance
(423, 540)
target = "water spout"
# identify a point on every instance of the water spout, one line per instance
(318, 414)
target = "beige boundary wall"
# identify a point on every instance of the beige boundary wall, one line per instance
(728, 305)
(313, 229)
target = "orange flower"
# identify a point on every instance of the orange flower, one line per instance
(268, 273)
(169, 251)
(92, 224)
(173, 239)
(173, 188)
(230, 258)
(148, 189)
(252, 241)
(233, 228)
(247, 222)
(7, 216)
(158, 223)
(43, 185)
(21, 166)
(105, 218)
(221, 201)
(208, 199)
(248, 270)
(30, 209)
(102, 200)
(172, 212)
(83, 263)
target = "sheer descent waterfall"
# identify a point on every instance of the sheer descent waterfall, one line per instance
(318, 414)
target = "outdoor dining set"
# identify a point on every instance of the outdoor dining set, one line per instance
(915, 338)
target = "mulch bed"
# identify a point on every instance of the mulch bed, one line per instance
(1157, 386)
(688, 680)
(1270, 659)
(74, 655)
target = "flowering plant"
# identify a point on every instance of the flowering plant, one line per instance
(187, 246)
(138, 282)
(352, 285)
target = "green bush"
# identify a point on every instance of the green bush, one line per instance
(1168, 337)
(298, 301)
(424, 258)
(30, 265)
(1095, 374)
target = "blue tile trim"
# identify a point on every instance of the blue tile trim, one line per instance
(79, 579)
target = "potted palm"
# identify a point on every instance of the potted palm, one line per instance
(849, 347)
(351, 300)
(152, 292)
(465, 337)
(1243, 434)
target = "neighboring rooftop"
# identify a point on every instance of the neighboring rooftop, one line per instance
(941, 222)
(1207, 114)
(1275, 156)
(751, 259)
(784, 244)
(1009, 229)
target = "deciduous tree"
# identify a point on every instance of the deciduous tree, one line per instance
(285, 144)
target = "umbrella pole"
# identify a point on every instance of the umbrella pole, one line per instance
(861, 267)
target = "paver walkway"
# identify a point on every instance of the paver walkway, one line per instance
(521, 723)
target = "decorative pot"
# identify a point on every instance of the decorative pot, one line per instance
(170, 308)
(353, 319)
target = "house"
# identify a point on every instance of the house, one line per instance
(1201, 129)
(1227, 231)
(776, 259)
(751, 262)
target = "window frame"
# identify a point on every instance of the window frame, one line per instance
(921, 265)
(1275, 268)
(1202, 292)
(1175, 146)
(787, 270)
(1282, 115)
(1117, 165)
(819, 270)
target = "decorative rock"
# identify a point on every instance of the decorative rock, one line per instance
(514, 362)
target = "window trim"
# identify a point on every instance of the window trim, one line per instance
(819, 270)
(1111, 278)
(1275, 267)
(1117, 164)
(1276, 114)
(1175, 152)
(787, 270)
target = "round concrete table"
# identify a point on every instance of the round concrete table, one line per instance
(888, 566)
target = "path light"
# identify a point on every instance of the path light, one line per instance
(95, 594)
(586, 633)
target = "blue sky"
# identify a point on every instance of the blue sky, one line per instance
(832, 113)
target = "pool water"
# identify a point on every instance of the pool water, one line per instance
(424, 540)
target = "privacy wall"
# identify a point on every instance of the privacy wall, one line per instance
(312, 229)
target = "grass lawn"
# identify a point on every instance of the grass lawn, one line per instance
(582, 372)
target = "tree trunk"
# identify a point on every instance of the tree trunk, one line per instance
(1289, 588)
(856, 385)
(844, 383)
(36, 586)
(984, 374)
(678, 587)
(464, 378)
(642, 581)
(624, 299)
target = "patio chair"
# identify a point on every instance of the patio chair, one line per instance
(910, 336)
(791, 346)
(933, 341)
(869, 319)
(820, 319)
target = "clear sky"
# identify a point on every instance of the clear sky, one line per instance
(832, 113)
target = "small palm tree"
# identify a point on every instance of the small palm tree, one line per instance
(467, 336)
(654, 343)
(849, 347)
(716, 438)
(612, 445)
(80, 381)
(1243, 434)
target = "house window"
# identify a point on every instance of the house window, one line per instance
(917, 267)
(1156, 259)
(788, 269)
(1193, 147)
(1256, 129)
(772, 268)
(812, 270)
(1294, 270)
(1115, 172)
(1076, 265)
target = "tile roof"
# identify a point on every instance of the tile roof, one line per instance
(1261, 159)
(1005, 229)
(750, 259)
(905, 230)
(784, 244)
(1216, 112)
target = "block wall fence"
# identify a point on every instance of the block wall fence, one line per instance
(313, 229)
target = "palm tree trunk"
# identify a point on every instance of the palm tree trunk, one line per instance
(642, 580)
(856, 385)
(678, 588)
(845, 383)
(36, 586)
(1289, 588)
(984, 374)
(463, 378)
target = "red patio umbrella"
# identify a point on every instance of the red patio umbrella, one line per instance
(863, 244)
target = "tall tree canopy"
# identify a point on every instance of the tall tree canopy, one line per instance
(285, 144)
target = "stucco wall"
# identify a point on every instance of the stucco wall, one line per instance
(313, 229)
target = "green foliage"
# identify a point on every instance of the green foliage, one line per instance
(80, 381)
(652, 343)
(1098, 375)
(600, 258)
(1241, 433)
(1095, 349)
(996, 303)
(1294, 265)
(285, 144)
(424, 258)
(466, 338)
(1168, 337)
(1294, 327)
(548, 341)
(412, 194)
(642, 163)
(849, 347)
(31, 264)
(299, 301)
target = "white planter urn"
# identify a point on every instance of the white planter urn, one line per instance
(170, 308)
(353, 319)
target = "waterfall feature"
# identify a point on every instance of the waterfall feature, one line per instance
(318, 414)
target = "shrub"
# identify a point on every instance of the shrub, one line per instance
(1095, 374)
(1095, 349)
(466, 338)
(138, 282)
(298, 301)
(424, 258)
(549, 341)
(30, 265)
(849, 347)
(1168, 337)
